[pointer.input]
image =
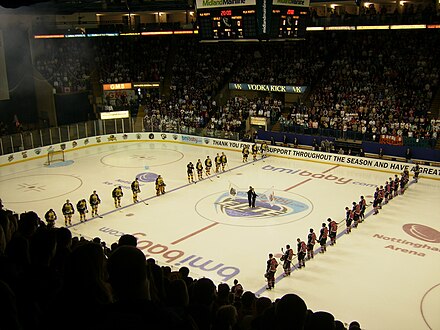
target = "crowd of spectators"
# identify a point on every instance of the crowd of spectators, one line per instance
(362, 82)
(297, 64)
(65, 64)
(50, 280)
(376, 87)
(130, 59)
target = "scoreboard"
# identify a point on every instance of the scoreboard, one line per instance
(288, 22)
(251, 19)
(230, 23)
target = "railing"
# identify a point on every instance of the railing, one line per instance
(53, 135)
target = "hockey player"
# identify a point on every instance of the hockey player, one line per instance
(245, 153)
(160, 186)
(392, 186)
(208, 165)
(94, 202)
(363, 205)
(381, 196)
(199, 168)
(81, 206)
(50, 217)
(323, 233)
(416, 170)
(333, 229)
(396, 185)
(357, 214)
(117, 195)
(376, 201)
(263, 149)
(224, 161)
(403, 182)
(68, 210)
(302, 250)
(287, 260)
(254, 151)
(271, 268)
(135, 190)
(190, 172)
(218, 161)
(387, 189)
(349, 216)
(311, 240)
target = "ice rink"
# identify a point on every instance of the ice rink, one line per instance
(385, 274)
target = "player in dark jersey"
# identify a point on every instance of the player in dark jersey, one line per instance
(311, 240)
(363, 205)
(224, 161)
(263, 149)
(287, 260)
(68, 210)
(349, 215)
(396, 185)
(302, 250)
(81, 206)
(376, 201)
(190, 172)
(50, 217)
(333, 229)
(208, 165)
(135, 189)
(117, 195)
(271, 268)
(392, 186)
(218, 162)
(94, 203)
(199, 168)
(381, 196)
(323, 233)
(245, 153)
(357, 213)
(254, 151)
(416, 170)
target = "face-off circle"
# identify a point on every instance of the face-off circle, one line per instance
(273, 207)
(35, 188)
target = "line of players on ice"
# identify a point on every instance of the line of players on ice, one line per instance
(222, 161)
(68, 209)
(353, 217)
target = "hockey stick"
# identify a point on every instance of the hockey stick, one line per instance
(209, 177)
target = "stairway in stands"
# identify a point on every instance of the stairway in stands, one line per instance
(435, 112)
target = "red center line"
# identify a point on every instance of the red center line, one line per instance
(298, 184)
(331, 168)
(195, 233)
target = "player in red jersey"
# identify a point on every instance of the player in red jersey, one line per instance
(287, 260)
(333, 229)
(302, 250)
(392, 186)
(323, 233)
(271, 268)
(311, 240)
(349, 215)
(396, 185)
(363, 205)
(357, 214)
(381, 196)
(376, 201)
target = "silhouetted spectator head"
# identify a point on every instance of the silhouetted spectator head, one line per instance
(127, 239)
(204, 291)
(262, 304)
(354, 325)
(184, 271)
(339, 325)
(43, 246)
(322, 320)
(128, 273)
(177, 294)
(28, 223)
(290, 312)
(64, 237)
(226, 317)
(248, 300)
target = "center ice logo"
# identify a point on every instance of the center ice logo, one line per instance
(271, 208)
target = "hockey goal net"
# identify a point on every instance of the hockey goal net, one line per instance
(55, 156)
